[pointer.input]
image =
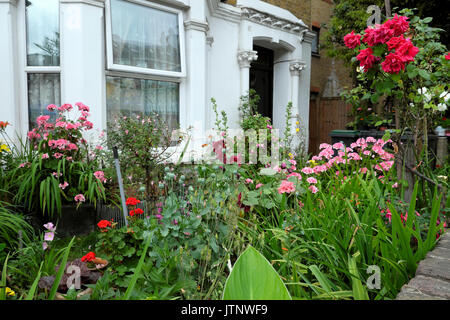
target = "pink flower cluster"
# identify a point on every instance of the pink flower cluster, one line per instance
(401, 51)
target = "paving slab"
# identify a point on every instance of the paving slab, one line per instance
(432, 280)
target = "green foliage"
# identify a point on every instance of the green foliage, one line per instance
(254, 278)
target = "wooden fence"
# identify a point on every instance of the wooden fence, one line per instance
(326, 115)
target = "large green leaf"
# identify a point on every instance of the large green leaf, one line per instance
(254, 278)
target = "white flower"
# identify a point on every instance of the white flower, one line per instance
(445, 95)
(425, 93)
(442, 107)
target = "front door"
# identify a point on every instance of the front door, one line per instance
(261, 80)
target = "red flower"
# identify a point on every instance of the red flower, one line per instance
(377, 35)
(138, 211)
(104, 224)
(89, 257)
(241, 205)
(398, 24)
(395, 42)
(132, 202)
(3, 125)
(394, 63)
(447, 57)
(366, 58)
(407, 51)
(352, 40)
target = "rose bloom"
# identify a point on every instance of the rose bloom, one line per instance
(447, 57)
(286, 187)
(393, 64)
(398, 24)
(352, 40)
(366, 58)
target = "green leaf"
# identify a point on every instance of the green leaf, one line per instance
(254, 278)
(424, 74)
(359, 292)
(62, 268)
(137, 271)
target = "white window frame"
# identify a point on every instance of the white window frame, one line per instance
(25, 69)
(111, 66)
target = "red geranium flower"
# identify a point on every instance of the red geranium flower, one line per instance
(132, 202)
(447, 57)
(89, 257)
(104, 224)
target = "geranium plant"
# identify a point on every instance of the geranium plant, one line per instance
(59, 167)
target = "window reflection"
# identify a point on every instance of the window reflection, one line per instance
(42, 20)
(145, 37)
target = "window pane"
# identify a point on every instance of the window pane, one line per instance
(144, 37)
(137, 96)
(43, 89)
(42, 32)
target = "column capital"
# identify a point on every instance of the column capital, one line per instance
(296, 67)
(245, 58)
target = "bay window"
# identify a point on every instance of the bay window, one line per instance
(145, 59)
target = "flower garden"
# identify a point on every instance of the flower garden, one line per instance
(310, 227)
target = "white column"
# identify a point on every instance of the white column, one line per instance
(195, 114)
(83, 57)
(305, 83)
(245, 59)
(10, 108)
(296, 67)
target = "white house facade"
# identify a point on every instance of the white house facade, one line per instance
(168, 56)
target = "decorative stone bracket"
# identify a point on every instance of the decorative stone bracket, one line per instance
(296, 67)
(245, 58)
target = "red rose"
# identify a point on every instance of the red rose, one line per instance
(395, 42)
(104, 224)
(398, 24)
(407, 51)
(352, 40)
(367, 59)
(447, 57)
(132, 202)
(393, 63)
(89, 257)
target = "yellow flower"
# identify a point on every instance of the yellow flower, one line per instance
(4, 147)
(297, 129)
(10, 292)
(297, 123)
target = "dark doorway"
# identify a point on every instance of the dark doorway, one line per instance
(261, 80)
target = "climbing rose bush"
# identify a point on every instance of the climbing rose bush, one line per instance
(387, 45)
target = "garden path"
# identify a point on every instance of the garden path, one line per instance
(432, 280)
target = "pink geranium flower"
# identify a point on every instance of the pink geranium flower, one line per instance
(286, 187)
(63, 185)
(313, 189)
(311, 180)
(79, 198)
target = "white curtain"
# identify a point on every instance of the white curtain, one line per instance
(138, 96)
(43, 89)
(144, 37)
